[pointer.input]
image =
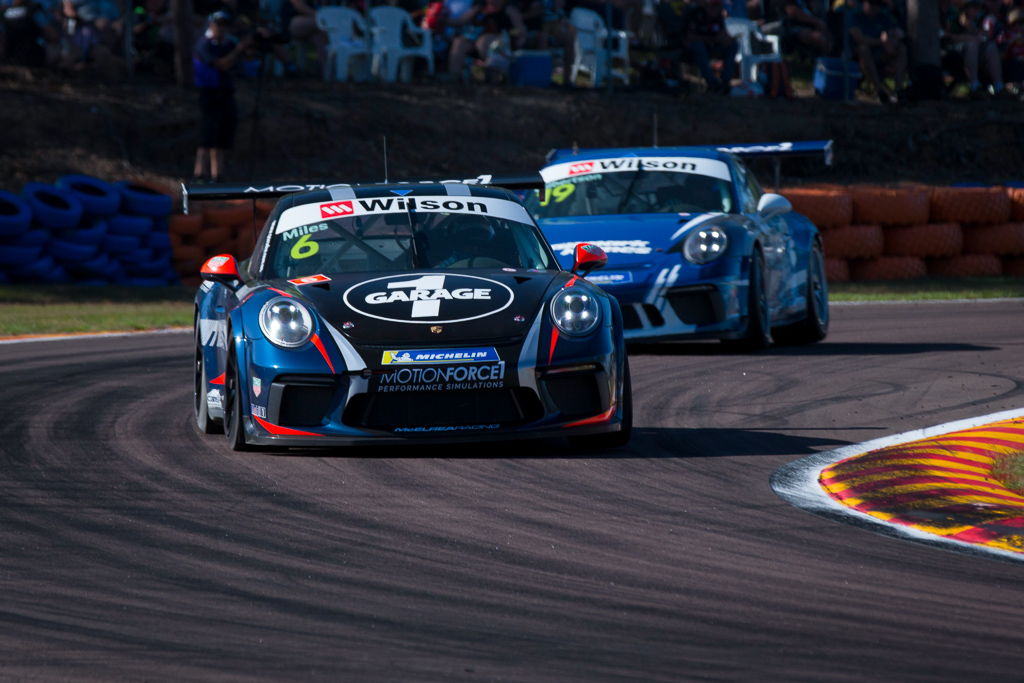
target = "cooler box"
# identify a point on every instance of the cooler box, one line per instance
(531, 68)
(828, 78)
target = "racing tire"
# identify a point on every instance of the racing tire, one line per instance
(970, 205)
(234, 428)
(129, 226)
(888, 268)
(966, 265)
(1004, 239)
(204, 423)
(854, 241)
(837, 270)
(757, 334)
(52, 207)
(1013, 266)
(814, 327)
(140, 200)
(15, 214)
(35, 237)
(603, 442)
(929, 240)
(890, 206)
(1016, 195)
(98, 198)
(117, 245)
(826, 208)
(16, 256)
(227, 215)
(185, 225)
(89, 232)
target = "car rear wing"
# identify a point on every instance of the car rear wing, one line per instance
(274, 190)
(776, 151)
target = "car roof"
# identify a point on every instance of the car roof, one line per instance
(563, 155)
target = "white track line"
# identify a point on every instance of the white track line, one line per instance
(93, 335)
(797, 484)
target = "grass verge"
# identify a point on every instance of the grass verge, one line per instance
(59, 309)
(928, 289)
(1009, 470)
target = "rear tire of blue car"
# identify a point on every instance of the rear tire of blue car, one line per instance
(234, 428)
(205, 423)
(603, 442)
(814, 327)
(758, 332)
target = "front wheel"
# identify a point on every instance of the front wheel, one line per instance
(601, 442)
(200, 406)
(234, 428)
(758, 334)
(814, 327)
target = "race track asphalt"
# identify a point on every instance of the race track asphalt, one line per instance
(132, 548)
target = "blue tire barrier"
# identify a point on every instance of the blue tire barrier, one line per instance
(36, 237)
(97, 265)
(52, 206)
(69, 252)
(119, 244)
(38, 269)
(137, 256)
(15, 214)
(153, 267)
(142, 201)
(143, 282)
(98, 198)
(138, 226)
(158, 240)
(3, 278)
(18, 256)
(90, 232)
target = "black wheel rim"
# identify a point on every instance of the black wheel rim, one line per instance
(819, 288)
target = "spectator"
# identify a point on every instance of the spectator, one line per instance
(488, 23)
(878, 41)
(153, 36)
(86, 24)
(27, 30)
(965, 36)
(1012, 42)
(298, 22)
(707, 39)
(547, 25)
(215, 54)
(797, 26)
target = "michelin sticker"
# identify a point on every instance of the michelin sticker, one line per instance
(446, 378)
(438, 356)
(605, 279)
(429, 299)
(308, 217)
(609, 246)
(709, 167)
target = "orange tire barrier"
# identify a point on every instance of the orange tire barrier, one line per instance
(191, 280)
(230, 213)
(966, 265)
(1004, 239)
(1016, 195)
(890, 206)
(1014, 266)
(825, 208)
(853, 241)
(970, 205)
(888, 268)
(264, 207)
(214, 235)
(924, 241)
(176, 240)
(942, 485)
(180, 224)
(188, 252)
(837, 270)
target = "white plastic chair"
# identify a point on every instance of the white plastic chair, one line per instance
(590, 51)
(348, 40)
(745, 32)
(389, 54)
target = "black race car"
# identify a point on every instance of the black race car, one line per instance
(401, 313)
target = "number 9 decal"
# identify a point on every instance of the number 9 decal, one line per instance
(560, 193)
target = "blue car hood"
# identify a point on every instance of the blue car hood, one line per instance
(630, 240)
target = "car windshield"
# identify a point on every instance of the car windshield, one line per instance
(389, 235)
(633, 185)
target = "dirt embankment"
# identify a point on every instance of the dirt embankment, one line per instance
(309, 130)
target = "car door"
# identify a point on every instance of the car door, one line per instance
(775, 237)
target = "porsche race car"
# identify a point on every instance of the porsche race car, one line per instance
(398, 313)
(696, 248)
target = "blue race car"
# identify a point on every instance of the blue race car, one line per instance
(696, 249)
(405, 313)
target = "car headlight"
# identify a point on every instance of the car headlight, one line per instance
(705, 244)
(286, 322)
(575, 312)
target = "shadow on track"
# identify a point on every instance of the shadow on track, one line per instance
(821, 349)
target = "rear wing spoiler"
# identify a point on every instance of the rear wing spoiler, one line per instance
(275, 190)
(776, 151)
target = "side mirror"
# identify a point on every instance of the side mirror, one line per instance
(222, 268)
(772, 205)
(588, 257)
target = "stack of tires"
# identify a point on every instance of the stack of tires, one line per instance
(88, 231)
(212, 229)
(913, 231)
